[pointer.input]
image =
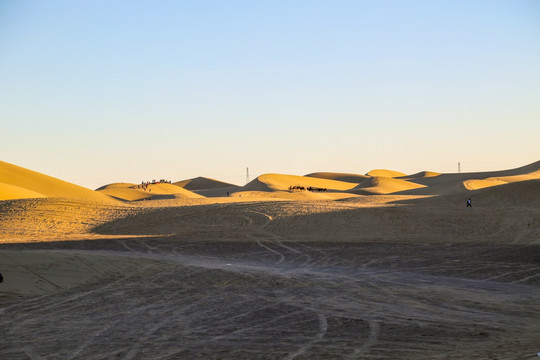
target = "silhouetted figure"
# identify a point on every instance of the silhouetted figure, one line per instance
(469, 203)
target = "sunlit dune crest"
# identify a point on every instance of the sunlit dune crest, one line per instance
(352, 178)
(385, 173)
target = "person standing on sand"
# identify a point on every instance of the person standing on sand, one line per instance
(469, 203)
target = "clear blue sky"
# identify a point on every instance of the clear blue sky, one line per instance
(95, 92)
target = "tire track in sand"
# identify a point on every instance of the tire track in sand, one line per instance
(280, 255)
(323, 328)
(374, 331)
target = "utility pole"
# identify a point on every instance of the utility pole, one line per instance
(459, 168)
(247, 175)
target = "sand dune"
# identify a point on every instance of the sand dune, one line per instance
(429, 182)
(421, 174)
(9, 192)
(514, 195)
(119, 185)
(455, 183)
(509, 212)
(352, 178)
(127, 193)
(376, 184)
(526, 169)
(208, 187)
(17, 182)
(276, 186)
(445, 185)
(482, 183)
(385, 173)
(281, 182)
(475, 184)
(44, 185)
(384, 185)
(291, 195)
(132, 192)
(202, 183)
(422, 183)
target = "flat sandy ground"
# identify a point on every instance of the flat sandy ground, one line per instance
(383, 277)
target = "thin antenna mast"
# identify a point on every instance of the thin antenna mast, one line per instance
(459, 168)
(247, 175)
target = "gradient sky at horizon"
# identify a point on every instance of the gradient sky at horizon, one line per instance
(95, 92)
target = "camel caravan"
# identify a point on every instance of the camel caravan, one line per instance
(309, 188)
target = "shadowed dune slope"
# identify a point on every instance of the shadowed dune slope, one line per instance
(421, 174)
(218, 192)
(47, 186)
(385, 173)
(520, 193)
(131, 192)
(352, 178)
(127, 194)
(202, 183)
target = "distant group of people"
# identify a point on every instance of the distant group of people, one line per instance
(309, 188)
(144, 184)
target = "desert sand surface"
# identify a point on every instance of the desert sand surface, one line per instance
(377, 266)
